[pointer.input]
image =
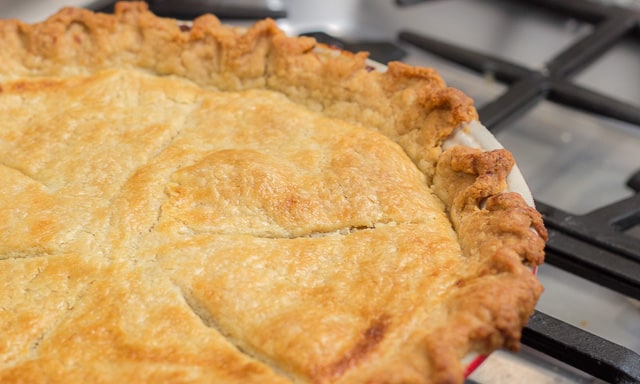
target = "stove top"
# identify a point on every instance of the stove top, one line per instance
(558, 82)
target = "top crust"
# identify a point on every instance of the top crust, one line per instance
(216, 204)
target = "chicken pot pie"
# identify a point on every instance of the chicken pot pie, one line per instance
(213, 204)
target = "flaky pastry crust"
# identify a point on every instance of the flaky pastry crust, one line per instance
(214, 204)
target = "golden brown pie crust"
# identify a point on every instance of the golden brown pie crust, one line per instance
(214, 204)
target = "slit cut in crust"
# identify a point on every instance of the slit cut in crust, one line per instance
(215, 204)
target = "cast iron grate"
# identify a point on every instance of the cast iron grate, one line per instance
(596, 245)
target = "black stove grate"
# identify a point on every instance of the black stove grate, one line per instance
(592, 354)
(596, 245)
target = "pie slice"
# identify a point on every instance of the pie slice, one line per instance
(214, 204)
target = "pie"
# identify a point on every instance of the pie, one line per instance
(212, 204)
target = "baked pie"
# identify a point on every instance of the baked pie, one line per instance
(214, 204)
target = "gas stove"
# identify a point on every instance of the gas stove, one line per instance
(558, 83)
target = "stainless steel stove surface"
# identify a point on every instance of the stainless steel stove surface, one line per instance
(558, 82)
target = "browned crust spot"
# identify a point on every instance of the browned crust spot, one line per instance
(370, 339)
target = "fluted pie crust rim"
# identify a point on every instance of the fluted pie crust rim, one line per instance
(268, 211)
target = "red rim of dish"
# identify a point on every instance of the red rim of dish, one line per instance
(474, 364)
